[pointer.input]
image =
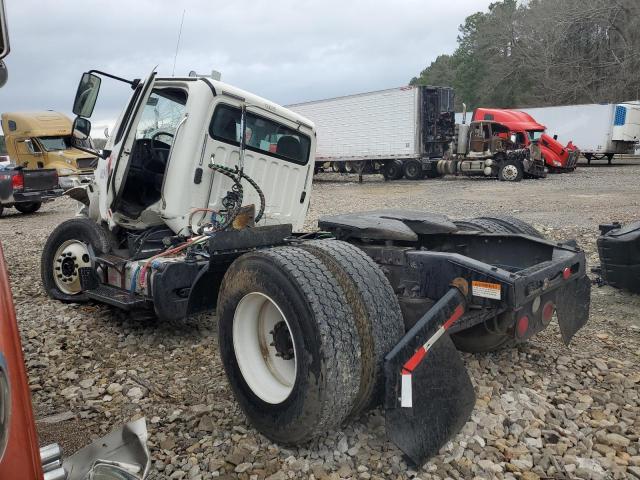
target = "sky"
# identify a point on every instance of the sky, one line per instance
(286, 51)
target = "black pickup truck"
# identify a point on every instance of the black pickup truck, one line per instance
(27, 190)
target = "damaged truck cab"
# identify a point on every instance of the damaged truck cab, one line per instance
(156, 171)
(197, 205)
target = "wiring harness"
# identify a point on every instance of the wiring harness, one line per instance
(218, 220)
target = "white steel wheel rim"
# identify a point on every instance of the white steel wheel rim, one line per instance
(268, 374)
(510, 172)
(68, 259)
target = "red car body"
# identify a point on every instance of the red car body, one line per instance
(556, 156)
(21, 457)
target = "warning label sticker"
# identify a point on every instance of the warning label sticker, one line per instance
(486, 290)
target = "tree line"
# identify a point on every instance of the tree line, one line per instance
(543, 52)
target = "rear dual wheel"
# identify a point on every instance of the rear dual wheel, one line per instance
(392, 170)
(412, 170)
(299, 355)
(28, 207)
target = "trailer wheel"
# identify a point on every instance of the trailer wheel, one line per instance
(375, 308)
(412, 170)
(514, 225)
(28, 207)
(511, 171)
(338, 167)
(392, 170)
(66, 250)
(288, 343)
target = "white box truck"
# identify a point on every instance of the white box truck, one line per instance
(599, 130)
(393, 131)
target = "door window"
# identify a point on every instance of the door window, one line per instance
(262, 135)
(161, 115)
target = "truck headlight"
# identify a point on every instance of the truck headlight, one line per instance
(66, 171)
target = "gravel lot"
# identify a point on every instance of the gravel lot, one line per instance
(543, 411)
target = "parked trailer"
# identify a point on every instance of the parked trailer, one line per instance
(599, 130)
(392, 131)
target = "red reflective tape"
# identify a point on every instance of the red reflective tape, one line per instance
(457, 313)
(417, 357)
(415, 360)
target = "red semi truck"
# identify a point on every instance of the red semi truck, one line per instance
(558, 158)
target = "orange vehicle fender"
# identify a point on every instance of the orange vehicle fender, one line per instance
(21, 458)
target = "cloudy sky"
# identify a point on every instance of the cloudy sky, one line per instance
(286, 51)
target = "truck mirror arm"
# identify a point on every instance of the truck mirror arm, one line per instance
(98, 153)
(134, 83)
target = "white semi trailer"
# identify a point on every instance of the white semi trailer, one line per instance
(599, 130)
(394, 131)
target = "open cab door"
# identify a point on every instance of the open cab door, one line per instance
(118, 162)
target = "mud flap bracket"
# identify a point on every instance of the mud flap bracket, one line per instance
(428, 392)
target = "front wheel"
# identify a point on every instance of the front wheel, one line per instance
(68, 249)
(28, 207)
(288, 343)
(511, 172)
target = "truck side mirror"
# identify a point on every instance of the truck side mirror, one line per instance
(86, 95)
(81, 129)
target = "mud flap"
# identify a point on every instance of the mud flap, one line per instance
(572, 307)
(428, 392)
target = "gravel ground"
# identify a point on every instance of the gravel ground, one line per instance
(543, 411)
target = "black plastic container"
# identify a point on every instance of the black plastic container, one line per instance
(619, 250)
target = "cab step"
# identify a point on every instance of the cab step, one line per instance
(114, 296)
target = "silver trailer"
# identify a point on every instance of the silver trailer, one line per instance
(393, 131)
(599, 130)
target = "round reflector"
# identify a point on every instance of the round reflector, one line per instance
(566, 273)
(522, 326)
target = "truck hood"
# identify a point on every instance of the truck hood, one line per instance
(71, 157)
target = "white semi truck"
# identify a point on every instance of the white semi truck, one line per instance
(600, 131)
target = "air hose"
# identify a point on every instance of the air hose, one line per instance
(232, 201)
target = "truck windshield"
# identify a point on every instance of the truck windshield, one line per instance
(161, 115)
(535, 135)
(51, 144)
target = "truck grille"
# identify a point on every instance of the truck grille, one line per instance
(87, 163)
(41, 179)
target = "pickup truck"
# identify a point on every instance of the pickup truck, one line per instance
(26, 190)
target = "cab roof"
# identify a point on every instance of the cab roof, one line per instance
(222, 88)
(513, 119)
(36, 124)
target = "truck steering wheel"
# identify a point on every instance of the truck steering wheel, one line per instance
(154, 139)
